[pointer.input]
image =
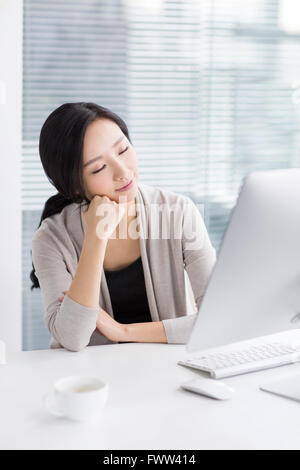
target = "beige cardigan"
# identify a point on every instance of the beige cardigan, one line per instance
(56, 248)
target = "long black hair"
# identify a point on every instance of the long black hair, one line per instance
(61, 154)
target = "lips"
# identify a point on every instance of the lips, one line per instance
(126, 185)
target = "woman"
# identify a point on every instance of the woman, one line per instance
(104, 274)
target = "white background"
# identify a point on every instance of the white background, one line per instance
(10, 174)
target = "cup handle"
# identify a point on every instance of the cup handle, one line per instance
(49, 402)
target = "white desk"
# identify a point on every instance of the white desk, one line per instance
(146, 408)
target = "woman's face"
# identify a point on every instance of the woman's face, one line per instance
(117, 166)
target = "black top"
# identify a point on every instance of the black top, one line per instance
(128, 293)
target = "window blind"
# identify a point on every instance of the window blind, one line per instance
(205, 87)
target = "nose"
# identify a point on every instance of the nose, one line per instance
(122, 173)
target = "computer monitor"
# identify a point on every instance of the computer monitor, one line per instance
(254, 288)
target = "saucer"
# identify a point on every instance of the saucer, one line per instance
(51, 405)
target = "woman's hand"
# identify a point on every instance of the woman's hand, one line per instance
(61, 298)
(109, 327)
(103, 216)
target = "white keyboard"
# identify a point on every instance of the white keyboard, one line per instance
(241, 361)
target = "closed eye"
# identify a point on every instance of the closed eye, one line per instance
(102, 168)
(97, 171)
(125, 150)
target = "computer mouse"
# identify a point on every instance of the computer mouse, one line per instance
(209, 387)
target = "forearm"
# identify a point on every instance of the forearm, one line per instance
(149, 332)
(85, 287)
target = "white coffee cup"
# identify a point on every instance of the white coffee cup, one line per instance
(79, 398)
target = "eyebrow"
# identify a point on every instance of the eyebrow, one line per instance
(100, 156)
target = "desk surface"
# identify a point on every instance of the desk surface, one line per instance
(146, 408)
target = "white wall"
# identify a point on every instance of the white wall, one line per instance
(11, 18)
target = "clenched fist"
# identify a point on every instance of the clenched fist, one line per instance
(103, 216)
